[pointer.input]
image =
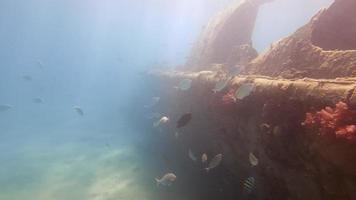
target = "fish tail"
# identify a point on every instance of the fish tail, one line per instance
(157, 182)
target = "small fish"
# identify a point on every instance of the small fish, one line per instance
(184, 120)
(253, 159)
(5, 107)
(192, 156)
(27, 78)
(204, 158)
(153, 102)
(265, 127)
(37, 100)
(163, 120)
(40, 64)
(244, 91)
(79, 110)
(249, 184)
(220, 85)
(184, 84)
(166, 180)
(214, 162)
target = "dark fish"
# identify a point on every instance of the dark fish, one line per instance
(40, 64)
(184, 120)
(79, 110)
(37, 100)
(27, 78)
(5, 107)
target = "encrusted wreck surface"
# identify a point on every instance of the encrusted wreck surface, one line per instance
(226, 37)
(324, 48)
(307, 72)
(294, 162)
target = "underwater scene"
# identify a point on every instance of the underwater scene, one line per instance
(178, 100)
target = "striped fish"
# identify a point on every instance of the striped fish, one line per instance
(249, 184)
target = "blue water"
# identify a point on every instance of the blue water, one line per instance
(91, 54)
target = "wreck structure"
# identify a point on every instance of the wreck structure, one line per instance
(301, 85)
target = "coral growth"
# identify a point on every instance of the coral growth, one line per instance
(228, 98)
(339, 121)
(223, 103)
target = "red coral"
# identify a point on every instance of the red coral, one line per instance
(223, 103)
(338, 121)
(348, 132)
(228, 98)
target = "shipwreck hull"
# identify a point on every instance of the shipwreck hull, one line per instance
(294, 161)
(287, 121)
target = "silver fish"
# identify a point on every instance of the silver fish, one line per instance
(220, 85)
(5, 107)
(249, 184)
(192, 156)
(253, 159)
(79, 110)
(166, 180)
(163, 120)
(204, 158)
(214, 162)
(244, 91)
(184, 84)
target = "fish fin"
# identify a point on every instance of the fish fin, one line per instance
(207, 169)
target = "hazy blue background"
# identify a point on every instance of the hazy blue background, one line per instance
(282, 17)
(92, 50)
(93, 54)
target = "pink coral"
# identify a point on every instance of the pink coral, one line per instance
(338, 121)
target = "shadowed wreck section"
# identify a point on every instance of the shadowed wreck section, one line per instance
(293, 119)
(336, 28)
